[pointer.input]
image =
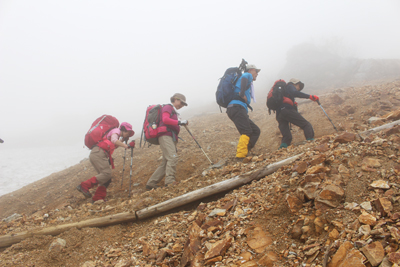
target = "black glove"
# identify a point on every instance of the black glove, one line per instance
(131, 144)
(184, 122)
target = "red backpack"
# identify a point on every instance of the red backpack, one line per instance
(151, 125)
(99, 129)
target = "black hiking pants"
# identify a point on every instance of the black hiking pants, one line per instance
(286, 116)
(238, 114)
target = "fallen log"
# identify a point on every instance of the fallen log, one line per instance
(212, 189)
(8, 240)
(364, 134)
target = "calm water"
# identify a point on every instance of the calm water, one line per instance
(22, 166)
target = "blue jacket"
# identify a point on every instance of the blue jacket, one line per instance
(238, 88)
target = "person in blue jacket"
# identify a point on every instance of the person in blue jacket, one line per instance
(287, 113)
(237, 111)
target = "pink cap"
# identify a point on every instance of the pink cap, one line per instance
(128, 127)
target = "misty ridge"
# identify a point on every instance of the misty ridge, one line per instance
(325, 67)
(322, 67)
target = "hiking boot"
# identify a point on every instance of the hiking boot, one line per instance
(86, 193)
(171, 184)
(149, 187)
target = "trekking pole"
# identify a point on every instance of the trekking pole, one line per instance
(130, 175)
(327, 115)
(123, 170)
(198, 144)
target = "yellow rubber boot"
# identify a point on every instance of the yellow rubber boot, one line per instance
(242, 149)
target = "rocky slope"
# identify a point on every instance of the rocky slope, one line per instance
(338, 205)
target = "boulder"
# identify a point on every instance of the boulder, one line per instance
(374, 253)
(331, 195)
(345, 138)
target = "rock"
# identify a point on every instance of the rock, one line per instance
(89, 264)
(294, 203)
(343, 170)
(217, 212)
(123, 263)
(385, 262)
(317, 169)
(218, 248)
(249, 264)
(381, 184)
(257, 239)
(310, 191)
(394, 130)
(395, 233)
(57, 245)
(192, 246)
(213, 260)
(370, 162)
(246, 256)
(366, 218)
(394, 257)
(13, 217)
(383, 205)
(336, 99)
(366, 205)
(300, 167)
(374, 120)
(268, 259)
(354, 258)
(374, 253)
(345, 138)
(364, 229)
(247, 159)
(350, 206)
(340, 254)
(331, 195)
(322, 148)
(334, 234)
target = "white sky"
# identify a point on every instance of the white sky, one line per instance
(65, 63)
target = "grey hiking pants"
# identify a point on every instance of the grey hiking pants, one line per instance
(167, 167)
(99, 160)
(287, 116)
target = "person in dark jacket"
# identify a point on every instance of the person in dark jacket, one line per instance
(288, 113)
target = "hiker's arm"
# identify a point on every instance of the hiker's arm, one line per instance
(166, 118)
(300, 94)
(119, 143)
(115, 141)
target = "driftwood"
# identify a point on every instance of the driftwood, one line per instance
(364, 134)
(220, 187)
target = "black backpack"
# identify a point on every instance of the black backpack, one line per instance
(275, 95)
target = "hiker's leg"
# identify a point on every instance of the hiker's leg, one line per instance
(284, 128)
(240, 118)
(294, 117)
(99, 160)
(255, 133)
(168, 147)
(157, 176)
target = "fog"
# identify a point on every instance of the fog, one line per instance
(65, 63)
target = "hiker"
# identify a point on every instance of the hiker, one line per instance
(168, 141)
(100, 157)
(237, 111)
(287, 113)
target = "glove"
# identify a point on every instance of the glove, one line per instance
(131, 144)
(184, 122)
(314, 98)
(295, 104)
